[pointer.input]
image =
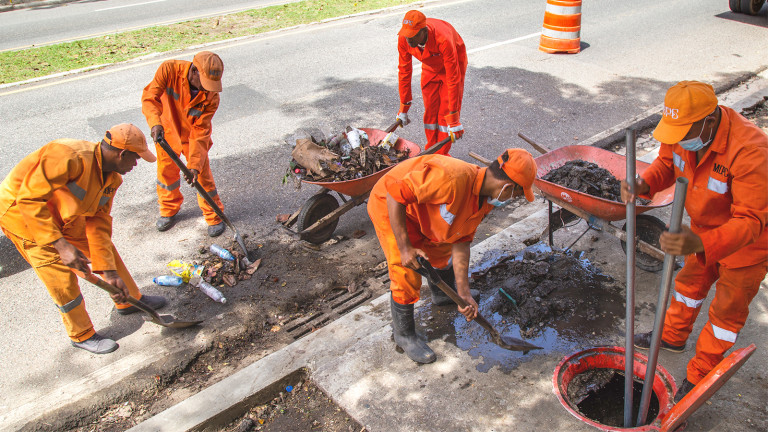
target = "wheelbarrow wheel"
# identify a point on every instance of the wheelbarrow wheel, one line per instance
(648, 229)
(312, 211)
(734, 5)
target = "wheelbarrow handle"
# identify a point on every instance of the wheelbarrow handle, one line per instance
(394, 126)
(542, 149)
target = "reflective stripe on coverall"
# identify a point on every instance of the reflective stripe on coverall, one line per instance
(727, 201)
(444, 65)
(60, 191)
(168, 101)
(441, 197)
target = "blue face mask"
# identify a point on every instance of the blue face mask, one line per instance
(495, 201)
(695, 144)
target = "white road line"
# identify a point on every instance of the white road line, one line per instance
(130, 5)
(306, 28)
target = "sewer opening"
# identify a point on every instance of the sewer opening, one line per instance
(598, 394)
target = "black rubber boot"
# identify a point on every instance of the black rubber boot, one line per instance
(404, 329)
(439, 298)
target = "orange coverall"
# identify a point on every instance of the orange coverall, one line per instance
(444, 64)
(168, 101)
(60, 191)
(442, 204)
(727, 201)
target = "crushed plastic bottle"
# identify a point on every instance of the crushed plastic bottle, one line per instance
(223, 253)
(353, 135)
(208, 290)
(166, 280)
(346, 148)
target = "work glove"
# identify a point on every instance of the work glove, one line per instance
(157, 132)
(403, 114)
(403, 117)
(455, 129)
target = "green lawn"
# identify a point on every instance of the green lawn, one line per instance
(34, 62)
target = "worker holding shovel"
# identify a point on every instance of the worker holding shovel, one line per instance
(725, 159)
(443, 59)
(55, 207)
(430, 206)
(179, 105)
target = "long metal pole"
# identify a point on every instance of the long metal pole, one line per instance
(629, 348)
(681, 188)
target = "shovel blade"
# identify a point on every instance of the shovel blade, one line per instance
(514, 344)
(170, 322)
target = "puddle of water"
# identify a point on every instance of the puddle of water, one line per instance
(560, 335)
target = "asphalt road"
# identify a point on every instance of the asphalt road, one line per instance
(48, 24)
(332, 75)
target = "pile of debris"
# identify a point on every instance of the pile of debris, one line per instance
(219, 270)
(540, 286)
(348, 155)
(589, 178)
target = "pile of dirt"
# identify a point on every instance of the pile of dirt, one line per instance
(541, 287)
(303, 407)
(589, 178)
(345, 156)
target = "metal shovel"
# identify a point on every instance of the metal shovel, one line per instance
(187, 174)
(163, 320)
(505, 342)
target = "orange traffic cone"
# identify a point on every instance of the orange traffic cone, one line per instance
(562, 27)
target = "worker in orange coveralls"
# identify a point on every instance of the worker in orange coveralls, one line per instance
(430, 206)
(55, 207)
(179, 104)
(444, 63)
(725, 159)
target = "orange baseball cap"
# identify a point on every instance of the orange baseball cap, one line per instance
(520, 168)
(685, 103)
(412, 23)
(128, 137)
(211, 68)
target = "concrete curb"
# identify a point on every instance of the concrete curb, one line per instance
(651, 117)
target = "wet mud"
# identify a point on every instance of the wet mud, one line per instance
(589, 178)
(599, 396)
(561, 303)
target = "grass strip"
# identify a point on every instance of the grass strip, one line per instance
(40, 61)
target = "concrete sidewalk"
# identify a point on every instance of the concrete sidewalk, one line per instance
(354, 361)
(467, 388)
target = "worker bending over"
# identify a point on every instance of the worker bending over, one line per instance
(179, 104)
(725, 159)
(431, 206)
(443, 58)
(55, 207)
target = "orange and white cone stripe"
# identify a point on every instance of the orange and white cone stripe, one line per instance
(561, 32)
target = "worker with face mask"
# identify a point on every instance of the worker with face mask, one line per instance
(430, 206)
(725, 159)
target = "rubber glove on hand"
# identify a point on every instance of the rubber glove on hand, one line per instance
(403, 117)
(455, 129)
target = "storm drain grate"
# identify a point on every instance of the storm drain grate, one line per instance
(338, 304)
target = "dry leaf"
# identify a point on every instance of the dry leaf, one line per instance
(275, 328)
(251, 269)
(229, 279)
(282, 218)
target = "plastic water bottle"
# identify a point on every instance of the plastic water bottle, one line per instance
(354, 138)
(210, 291)
(166, 280)
(223, 253)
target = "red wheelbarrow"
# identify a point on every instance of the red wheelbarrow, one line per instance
(318, 217)
(599, 212)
